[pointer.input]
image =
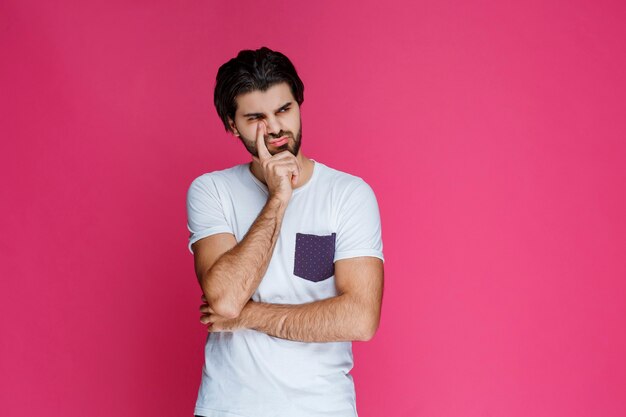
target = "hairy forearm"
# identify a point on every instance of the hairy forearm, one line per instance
(335, 319)
(235, 276)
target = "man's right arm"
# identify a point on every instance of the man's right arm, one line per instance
(228, 272)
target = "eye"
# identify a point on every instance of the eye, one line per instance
(283, 110)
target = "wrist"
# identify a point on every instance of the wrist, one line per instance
(279, 201)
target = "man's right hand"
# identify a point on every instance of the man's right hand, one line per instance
(281, 171)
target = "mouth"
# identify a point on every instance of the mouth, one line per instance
(280, 141)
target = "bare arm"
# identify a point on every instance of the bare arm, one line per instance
(354, 314)
(228, 272)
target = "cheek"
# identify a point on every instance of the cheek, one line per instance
(294, 122)
(247, 131)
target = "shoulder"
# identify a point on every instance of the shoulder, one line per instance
(218, 178)
(341, 182)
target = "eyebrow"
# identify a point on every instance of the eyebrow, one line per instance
(261, 114)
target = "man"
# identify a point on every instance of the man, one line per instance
(288, 254)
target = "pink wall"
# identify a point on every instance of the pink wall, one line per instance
(493, 134)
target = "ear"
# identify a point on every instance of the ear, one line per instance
(233, 127)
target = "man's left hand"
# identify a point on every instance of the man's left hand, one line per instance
(217, 323)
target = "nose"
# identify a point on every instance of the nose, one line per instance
(273, 127)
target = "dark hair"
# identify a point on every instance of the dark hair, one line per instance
(253, 70)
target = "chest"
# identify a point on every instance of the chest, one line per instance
(302, 263)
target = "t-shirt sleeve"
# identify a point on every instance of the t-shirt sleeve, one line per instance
(358, 228)
(205, 215)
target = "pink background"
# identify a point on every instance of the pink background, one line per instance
(492, 133)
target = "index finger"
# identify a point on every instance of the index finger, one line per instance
(261, 149)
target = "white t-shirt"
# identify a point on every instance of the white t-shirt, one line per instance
(249, 373)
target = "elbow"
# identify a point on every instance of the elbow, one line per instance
(223, 307)
(367, 335)
(367, 330)
(220, 303)
(227, 310)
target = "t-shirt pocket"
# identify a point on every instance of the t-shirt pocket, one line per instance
(314, 257)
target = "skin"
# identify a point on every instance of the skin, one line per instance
(279, 113)
(229, 272)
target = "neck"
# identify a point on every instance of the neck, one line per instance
(305, 174)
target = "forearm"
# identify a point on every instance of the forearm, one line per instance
(335, 319)
(235, 276)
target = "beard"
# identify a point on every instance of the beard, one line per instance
(292, 145)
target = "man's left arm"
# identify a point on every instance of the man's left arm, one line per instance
(354, 314)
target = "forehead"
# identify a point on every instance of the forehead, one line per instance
(267, 101)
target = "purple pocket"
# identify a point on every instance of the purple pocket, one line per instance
(314, 258)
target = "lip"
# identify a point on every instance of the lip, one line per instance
(280, 141)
